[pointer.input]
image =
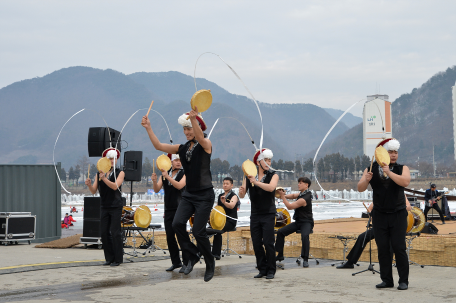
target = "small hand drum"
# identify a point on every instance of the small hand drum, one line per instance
(277, 193)
(249, 168)
(217, 220)
(201, 99)
(381, 155)
(163, 163)
(104, 165)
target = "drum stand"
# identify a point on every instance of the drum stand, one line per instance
(409, 247)
(153, 247)
(371, 266)
(226, 251)
(345, 242)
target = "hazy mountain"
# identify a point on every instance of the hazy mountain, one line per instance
(34, 111)
(349, 119)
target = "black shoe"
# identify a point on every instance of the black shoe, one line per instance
(270, 276)
(210, 268)
(346, 265)
(279, 258)
(173, 267)
(182, 270)
(443, 222)
(305, 264)
(217, 257)
(107, 263)
(115, 264)
(190, 265)
(402, 286)
(384, 285)
(260, 275)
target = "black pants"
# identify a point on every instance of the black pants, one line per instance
(437, 208)
(262, 233)
(198, 203)
(217, 244)
(111, 234)
(360, 244)
(173, 248)
(391, 228)
(305, 227)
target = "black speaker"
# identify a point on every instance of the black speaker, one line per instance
(91, 228)
(101, 138)
(430, 228)
(133, 165)
(92, 208)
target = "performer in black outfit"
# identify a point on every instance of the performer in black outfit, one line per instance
(173, 186)
(198, 196)
(362, 241)
(303, 219)
(262, 219)
(389, 214)
(228, 200)
(111, 208)
(429, 197)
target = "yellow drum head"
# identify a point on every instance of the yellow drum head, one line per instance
(283, 218)
(127, 218)
(277, 194)
(163, 162)
(217, 219)
(104, 165)
(381, 155)
(249, 168)
(419, 220)
(143, 216)
(201, 99)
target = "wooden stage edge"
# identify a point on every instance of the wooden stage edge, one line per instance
(427, 249)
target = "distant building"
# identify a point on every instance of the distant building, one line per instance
(414, 173)
(377, 122)
(454, 117)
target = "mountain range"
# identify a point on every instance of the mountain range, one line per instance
(34, 111)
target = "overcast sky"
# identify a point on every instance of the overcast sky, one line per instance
(329, 53)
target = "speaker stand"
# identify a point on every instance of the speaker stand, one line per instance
(131, 193)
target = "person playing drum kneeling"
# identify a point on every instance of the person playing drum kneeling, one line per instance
(228, 200)
(303, 219)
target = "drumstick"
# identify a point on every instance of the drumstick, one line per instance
(366, 207)
(88, 172)
(372, 162)
(150, 108)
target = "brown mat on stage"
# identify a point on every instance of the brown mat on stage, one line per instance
(62, 243)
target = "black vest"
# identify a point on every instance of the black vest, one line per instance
(110, 197)
(229, 212)
(388, 197)
(263, 202)
(304, 212)
(172, 194)
(198, 169)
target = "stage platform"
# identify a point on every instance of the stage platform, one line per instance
(427, 249)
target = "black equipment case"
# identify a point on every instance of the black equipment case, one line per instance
(17, 226)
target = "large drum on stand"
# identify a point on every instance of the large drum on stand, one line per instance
(140, 217)
(415, 220)
(282, 218)
(217, 219)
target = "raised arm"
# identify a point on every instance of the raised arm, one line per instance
(401, 180)
(199, 135)
(157, 182)
(364, 181)
(167, 148)
(242, 189)
(265, 186)
(113, 185)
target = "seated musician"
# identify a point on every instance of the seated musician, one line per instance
(303, 219)
(362, 240)
(430, 198)
(228, 200)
